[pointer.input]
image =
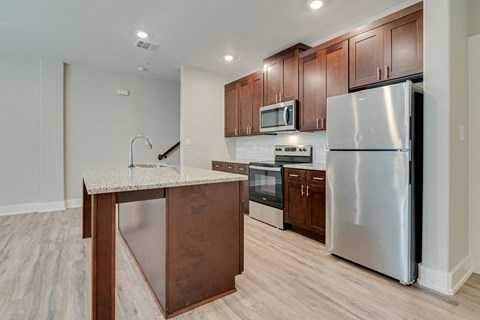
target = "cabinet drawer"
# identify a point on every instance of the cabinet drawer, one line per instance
(218, 166)
(242, 169)
(316, 177)
(230, 167)
(295, 174)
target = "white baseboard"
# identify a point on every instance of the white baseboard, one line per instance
(74, 203)
(446, 282)
(32, 207)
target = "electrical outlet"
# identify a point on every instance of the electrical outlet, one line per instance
(187, 141)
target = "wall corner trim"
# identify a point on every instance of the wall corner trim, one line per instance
(446, 282)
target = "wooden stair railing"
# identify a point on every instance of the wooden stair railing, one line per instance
(164, 155)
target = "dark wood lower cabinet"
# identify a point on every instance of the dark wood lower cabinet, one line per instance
(239, 168)
(304, 207)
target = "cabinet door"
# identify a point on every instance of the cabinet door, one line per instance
(337, 69)
(245, 107)
(366, 58)
(312, 91)
(315, 220)
(231, 110)
(295, 203)
(403, 40)
(289, 77)
(272, 81)
(257, 102)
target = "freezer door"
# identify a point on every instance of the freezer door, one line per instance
(375, 119)
(368, 210)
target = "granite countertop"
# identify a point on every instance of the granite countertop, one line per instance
(108, 179)
(307, 166)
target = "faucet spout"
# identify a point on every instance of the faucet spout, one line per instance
(148, 142)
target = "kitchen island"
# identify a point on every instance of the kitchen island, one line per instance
(183, 226)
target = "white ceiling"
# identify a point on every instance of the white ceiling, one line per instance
(194, 33)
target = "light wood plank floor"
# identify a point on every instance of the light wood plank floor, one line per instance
(45, 274)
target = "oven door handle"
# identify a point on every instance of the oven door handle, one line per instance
(276, 169)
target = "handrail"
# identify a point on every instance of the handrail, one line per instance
(172, 148)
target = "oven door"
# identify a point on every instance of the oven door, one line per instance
(266, 186)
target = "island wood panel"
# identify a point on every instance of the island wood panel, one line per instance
(103, 256)
(86, 213)
(203, 243)
(142, 224)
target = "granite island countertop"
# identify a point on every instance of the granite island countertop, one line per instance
(307, 166)
(108, 179)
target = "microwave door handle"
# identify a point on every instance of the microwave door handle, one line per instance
(285, 115)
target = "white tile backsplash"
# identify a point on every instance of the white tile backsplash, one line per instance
(261, 147)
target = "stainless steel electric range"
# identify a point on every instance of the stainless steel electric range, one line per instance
(266, 183)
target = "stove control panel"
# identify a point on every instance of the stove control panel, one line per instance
(293, 150)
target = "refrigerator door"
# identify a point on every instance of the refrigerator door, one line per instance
(368, 210)
(375, 119)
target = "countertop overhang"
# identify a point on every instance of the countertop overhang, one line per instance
(109, 179)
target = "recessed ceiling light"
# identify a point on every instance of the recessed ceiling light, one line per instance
(142, 34)
(316, 4)
(228, 57)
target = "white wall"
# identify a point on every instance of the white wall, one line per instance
(474, 140)
(473, 17)
(202, 117)
(445, 262)
(100, 123)
(31, 102)
(459, 258)
(261, 147)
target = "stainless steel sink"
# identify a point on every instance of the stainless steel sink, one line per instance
(151, 165)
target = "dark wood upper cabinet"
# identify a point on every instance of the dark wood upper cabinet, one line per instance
(366, 58)
(391, 51)
(403, 39)
(243, 99)
(322, 74)
(231, 110)
(245, 106)
(257, 102)
(281, 75)
(337, 69)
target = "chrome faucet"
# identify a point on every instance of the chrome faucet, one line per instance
(130, 155)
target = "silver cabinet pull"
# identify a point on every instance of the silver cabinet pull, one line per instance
(241, 169)
(235, 131)
(318, 178)
(293, 175)
(302, 190)
(276, 97)
(323, 123)
(378, 74)
(308, 194)
(387, 72)
(280, 97)
(317, 123)
(228, 167)
(216, 166)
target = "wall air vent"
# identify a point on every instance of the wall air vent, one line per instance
(142, 44)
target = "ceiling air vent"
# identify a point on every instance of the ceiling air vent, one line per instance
(142, 44)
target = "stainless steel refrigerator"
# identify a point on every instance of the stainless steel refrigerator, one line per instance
(374, 178)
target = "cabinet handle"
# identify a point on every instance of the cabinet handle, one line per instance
(387, 72)
(248, 130)
(308, 194)
(293, 175)
(228, 167)
(241, 169)
(323, 123)
(216, 166)
(276, 98)
(318, 178)
(302, 190)
(317, 123)
(279, 97)
(235, 131)
(378, 74)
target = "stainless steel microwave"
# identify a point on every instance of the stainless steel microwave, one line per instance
(279, 117)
